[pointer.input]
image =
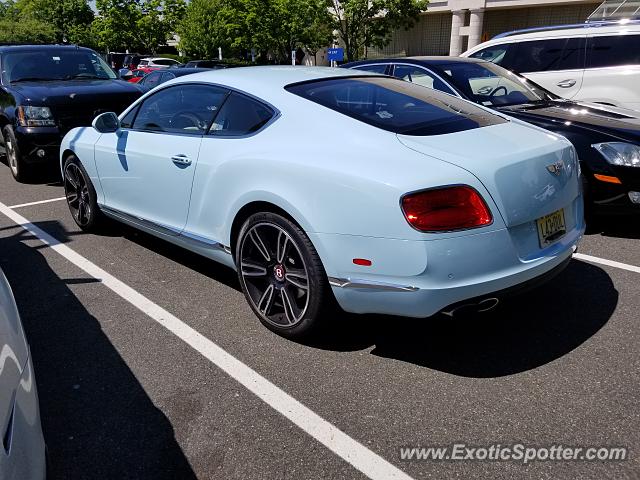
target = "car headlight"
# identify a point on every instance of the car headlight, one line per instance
(29, 116)
(620, 153)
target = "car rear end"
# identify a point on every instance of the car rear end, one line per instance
(484, 205)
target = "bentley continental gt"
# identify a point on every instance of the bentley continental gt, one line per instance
(318, 184)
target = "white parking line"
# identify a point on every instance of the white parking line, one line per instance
(38, 203)
(349, 449)
(604, 261)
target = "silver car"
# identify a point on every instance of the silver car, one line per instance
(22, 454)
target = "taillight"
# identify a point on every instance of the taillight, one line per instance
(445, 209)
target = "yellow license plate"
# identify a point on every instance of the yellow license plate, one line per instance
(551, 228)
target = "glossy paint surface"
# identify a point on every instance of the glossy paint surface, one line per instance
(346, 198)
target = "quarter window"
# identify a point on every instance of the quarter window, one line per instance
(612, 51)
(187, 109)
(239, 116)
(549, 55)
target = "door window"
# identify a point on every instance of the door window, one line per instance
(166, 76)
(186, 109)
(420, 76)
(612, 51)
(494, 54)
(549, 55)
(240, 116)
(376, 68)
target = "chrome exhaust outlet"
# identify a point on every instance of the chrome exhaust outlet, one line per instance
(482, 306)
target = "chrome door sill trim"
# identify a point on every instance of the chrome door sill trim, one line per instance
(355, 283)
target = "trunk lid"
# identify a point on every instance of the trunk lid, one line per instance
(528, 172)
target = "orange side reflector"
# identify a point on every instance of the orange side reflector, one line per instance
(607, 178)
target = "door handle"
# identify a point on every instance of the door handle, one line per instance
(566, 83)
(181, 159)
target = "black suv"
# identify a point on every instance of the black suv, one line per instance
(45, 91)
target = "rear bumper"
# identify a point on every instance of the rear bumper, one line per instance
(421, 278)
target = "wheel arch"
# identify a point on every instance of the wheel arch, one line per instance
(250, 208)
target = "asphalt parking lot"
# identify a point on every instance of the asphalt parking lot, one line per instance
(124, 395)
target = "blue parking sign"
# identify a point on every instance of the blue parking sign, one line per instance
(335, 54)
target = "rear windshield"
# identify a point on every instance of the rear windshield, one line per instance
(395, 105)
(53, 64)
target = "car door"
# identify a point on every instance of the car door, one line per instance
(421, 76)
(612, 73)
(557, 63)
(234, 134)
(146, 168)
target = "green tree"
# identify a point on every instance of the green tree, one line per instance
(370, 23)
(207, 25)
(16, 27)
(114, 27)
(68, 18)
(281, 26)
(157, 22)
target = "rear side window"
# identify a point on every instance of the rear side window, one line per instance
(152, 80)
(612, 51)
(395, 105)
(549, 55)
(239, 116)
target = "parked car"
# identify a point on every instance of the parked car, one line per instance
(593, 62)
(45, 91)
(23, 455)
(211, 64)
(156, 78)
(131, 61)
(606, 138)
(423, 207)
(158, 62)
(139, 73)
(115, 60)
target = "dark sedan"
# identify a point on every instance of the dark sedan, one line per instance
(606, 138)
(158, 77)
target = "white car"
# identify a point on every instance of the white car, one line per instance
(23, 452)
(158, 62)
(594, 62)
(413, 202)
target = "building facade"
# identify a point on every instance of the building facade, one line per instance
(452, 26)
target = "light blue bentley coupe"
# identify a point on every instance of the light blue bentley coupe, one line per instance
(319, 183)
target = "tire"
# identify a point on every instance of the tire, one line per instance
(20, 171)
(81, 196)
(281, 275)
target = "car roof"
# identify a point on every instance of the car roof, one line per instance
(431, 60)
(9, 48)
(561, 31)
(266, 82)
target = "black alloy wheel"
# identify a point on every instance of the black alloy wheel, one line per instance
(281, 275)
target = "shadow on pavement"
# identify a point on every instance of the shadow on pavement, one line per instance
(524, 333)
(97, 419)
(618, 226)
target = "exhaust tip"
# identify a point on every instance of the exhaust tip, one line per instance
(484, 305)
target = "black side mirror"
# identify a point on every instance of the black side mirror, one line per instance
(106, 123)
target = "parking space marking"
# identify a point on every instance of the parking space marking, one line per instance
(604, 261)
(37, 203)
(346, 447)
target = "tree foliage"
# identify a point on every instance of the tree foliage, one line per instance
(370, 23)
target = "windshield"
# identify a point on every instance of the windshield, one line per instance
(494, 86)
(396, 105)
(54, 64)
